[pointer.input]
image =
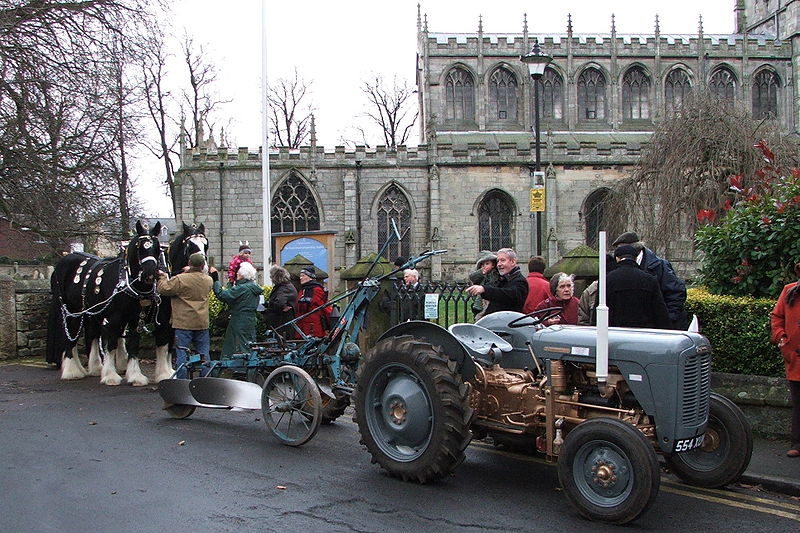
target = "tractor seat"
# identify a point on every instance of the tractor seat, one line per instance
(480, 343)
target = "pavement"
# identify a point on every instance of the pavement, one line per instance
(771, 469)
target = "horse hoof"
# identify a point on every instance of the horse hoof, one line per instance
(139, 382)
(111, 381)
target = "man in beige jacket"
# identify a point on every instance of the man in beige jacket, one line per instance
(189, 291)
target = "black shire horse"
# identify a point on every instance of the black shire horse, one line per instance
(102, 297)
(192, 240)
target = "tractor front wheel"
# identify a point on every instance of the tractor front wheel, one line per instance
(726, 450)
(608, 470)
(412, 409)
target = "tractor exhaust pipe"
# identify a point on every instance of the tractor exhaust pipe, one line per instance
(602, 315)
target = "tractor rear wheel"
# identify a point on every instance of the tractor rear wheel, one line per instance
(608, 470)
(412, 409)
(726, 449)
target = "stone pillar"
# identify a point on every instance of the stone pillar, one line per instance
(551, 199)
(8, 318)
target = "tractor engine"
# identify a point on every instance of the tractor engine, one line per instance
(515, 404)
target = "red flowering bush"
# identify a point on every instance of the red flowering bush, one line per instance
(753, 248)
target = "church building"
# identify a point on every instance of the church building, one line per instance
(471, 184)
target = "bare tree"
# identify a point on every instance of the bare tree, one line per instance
(290, 111)
(59, 115)
(390, 109)
(199, 97)
(686, 168)
(159, 102)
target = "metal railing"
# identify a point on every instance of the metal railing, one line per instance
(453, 303)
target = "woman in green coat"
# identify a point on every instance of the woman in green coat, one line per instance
(243, 298)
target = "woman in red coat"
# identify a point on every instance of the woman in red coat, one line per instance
(312, 295)
(785, 321)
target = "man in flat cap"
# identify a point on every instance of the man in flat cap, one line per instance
(634, 296)
(673, 289)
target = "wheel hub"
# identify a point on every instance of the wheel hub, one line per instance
(398, 411)
(711, 440)
(604, 474)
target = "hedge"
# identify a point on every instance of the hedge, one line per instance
(738, 329)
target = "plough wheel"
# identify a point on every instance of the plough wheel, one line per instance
(179, 411)
(291, 405)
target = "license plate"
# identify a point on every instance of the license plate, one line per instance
(685, 445)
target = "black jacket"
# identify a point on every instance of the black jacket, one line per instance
(634, 298)
(509, 294)
(673, 289)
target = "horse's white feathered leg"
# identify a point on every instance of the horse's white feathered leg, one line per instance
(109, 376)
(122, 354)
(71, 367)
(164, 368)
(133, 374)
(95, 363)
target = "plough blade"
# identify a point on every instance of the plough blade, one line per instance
(176, 392)
(229, 392)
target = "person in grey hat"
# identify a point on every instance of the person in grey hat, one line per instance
(673, 289)
(486, 274)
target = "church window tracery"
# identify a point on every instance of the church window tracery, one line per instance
(503, 95)
(459, 95)
(722, 84)
(594, 215)
(677, 88)
(551, 96)
(635, 95)
(765, 95)
(294, 207)
(591, 95)
(495, 221)
(393, 205)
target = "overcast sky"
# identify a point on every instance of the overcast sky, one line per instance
(336, 45)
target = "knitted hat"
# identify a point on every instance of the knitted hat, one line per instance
(245, 247)
(311, 272)
(197, 260)
(485, 255)
(628, 237)
(625, 250)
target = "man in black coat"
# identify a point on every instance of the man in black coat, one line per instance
(633, 296)
(510, 291)
(673, 289)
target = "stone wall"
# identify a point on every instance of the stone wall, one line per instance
(24, 306)
(764, 401)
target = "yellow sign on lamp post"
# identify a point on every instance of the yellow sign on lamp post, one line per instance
(537, 199)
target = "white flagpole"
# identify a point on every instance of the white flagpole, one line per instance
(265, 178)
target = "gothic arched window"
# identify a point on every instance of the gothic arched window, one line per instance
(677, 88)
(459, 90)
(722, 84)
(551, 96)
(765, 95)
(393, 205)
(503, 95)
(594, 215)
(591, 95)
(293, 207)
(635, 95)
(495, 220)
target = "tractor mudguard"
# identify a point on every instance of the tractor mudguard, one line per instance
(436, 335)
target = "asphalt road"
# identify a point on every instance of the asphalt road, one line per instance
(80, 456)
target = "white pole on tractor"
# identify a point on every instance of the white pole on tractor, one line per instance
(602, 315)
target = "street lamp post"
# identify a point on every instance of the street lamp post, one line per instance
(537, 61)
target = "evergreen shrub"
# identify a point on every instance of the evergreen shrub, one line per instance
(738, 329)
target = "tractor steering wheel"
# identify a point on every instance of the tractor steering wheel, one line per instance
(547, 313)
